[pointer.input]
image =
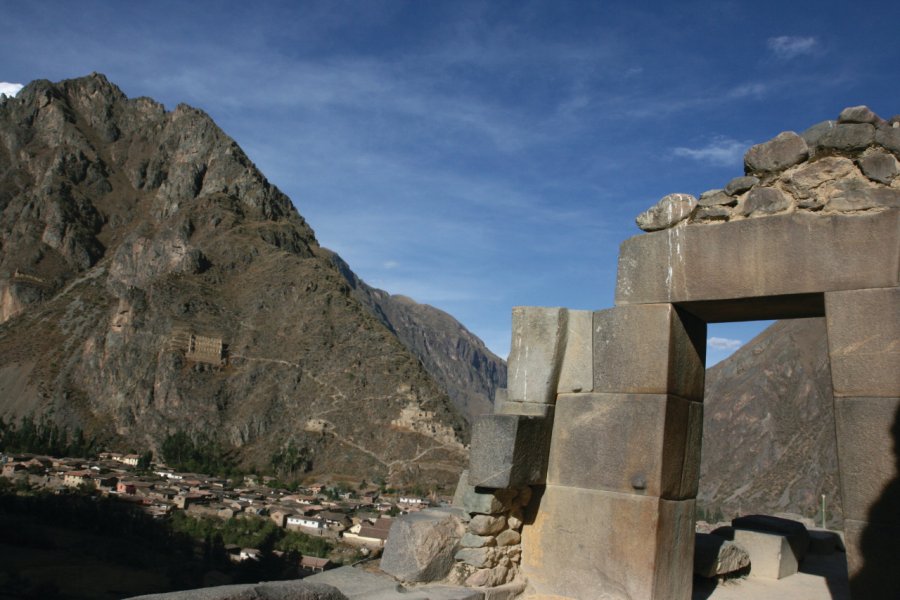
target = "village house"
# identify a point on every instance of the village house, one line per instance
(125, 487)
(371, 535)
(314, 564)
(76, 478)
(312, 525)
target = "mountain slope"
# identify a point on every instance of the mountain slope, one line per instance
(768, 432)
(458, 360)
(152, 280)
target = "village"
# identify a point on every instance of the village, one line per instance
(355, 521)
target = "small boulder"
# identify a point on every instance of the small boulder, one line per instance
(508, 538)
(879, 167)
(812, 135)
(858, 114)
(888, 136)
(848, 137)
(476, 500)
(764, 201)
(715, 198)
(421, 546)
(486, 525)
(669, 211)
(784, 150)
(480, 558)
(739, 185)
(715, 556)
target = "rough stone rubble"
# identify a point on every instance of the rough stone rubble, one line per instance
(841, 166)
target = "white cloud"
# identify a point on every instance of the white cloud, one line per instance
(390, 264)
(719, 343)
(720, 151)
(10, 89)
(789, 46)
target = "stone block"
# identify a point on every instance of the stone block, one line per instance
(525, 409)
(715, 556)
(812, 135)
(269, 590)
(577, 372)
(420, 546)
(795, 532)
(782, 255)
(631, 443)
(880, 167)
(784, 150)
(509, 451)
(872, 552)
(535, 356)
(649, 350)
(889, 138)
(739, 185)
(848, 137)
(596, 544)
(771, 556)
(868, 438)
(354, 583)
(474, 500)
(864, 342)
(858, 114)
(763, 201)
(864, 198)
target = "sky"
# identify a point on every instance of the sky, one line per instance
(477, 156)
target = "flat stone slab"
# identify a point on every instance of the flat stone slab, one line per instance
(273, 590)
(357, 584)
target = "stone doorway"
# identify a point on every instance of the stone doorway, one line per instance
(604, 409)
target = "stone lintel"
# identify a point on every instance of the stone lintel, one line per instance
(644, 444)
(868, 441)
(509, 450)
(864, 342)
(598, 544)
(768, 308)
(649, 349)
(795, 253)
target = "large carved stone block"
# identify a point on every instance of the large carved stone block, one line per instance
(864, 341)
(649, 349)
(535, 356)
(799, 253)
(596, 544)
(509, 450)
(629, 443)
(867, 431)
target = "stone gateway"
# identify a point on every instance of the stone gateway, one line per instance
(604, 410)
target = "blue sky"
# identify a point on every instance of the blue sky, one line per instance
(481, 155)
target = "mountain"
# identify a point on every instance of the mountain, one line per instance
(153, 283)
(457, 359)
(768, 426)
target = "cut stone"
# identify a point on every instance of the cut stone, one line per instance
(472, 500)
(715, 556)
(864, 341)
(763, 201)
(866, 429)
(538, 342)
(420, 546)
(525, 409)
(650, 349)
(595, 544)
(771, 556)
(577, 372)
(669, 211)
(793, 254)
(784, 150)
(630, 443)
(795, 532)
(509, 451)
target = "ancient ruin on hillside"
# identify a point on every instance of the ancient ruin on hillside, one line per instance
(603, 414)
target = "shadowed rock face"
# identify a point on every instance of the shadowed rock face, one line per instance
(134, 242)
(768, 431)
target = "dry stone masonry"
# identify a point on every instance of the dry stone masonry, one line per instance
(603, 412)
